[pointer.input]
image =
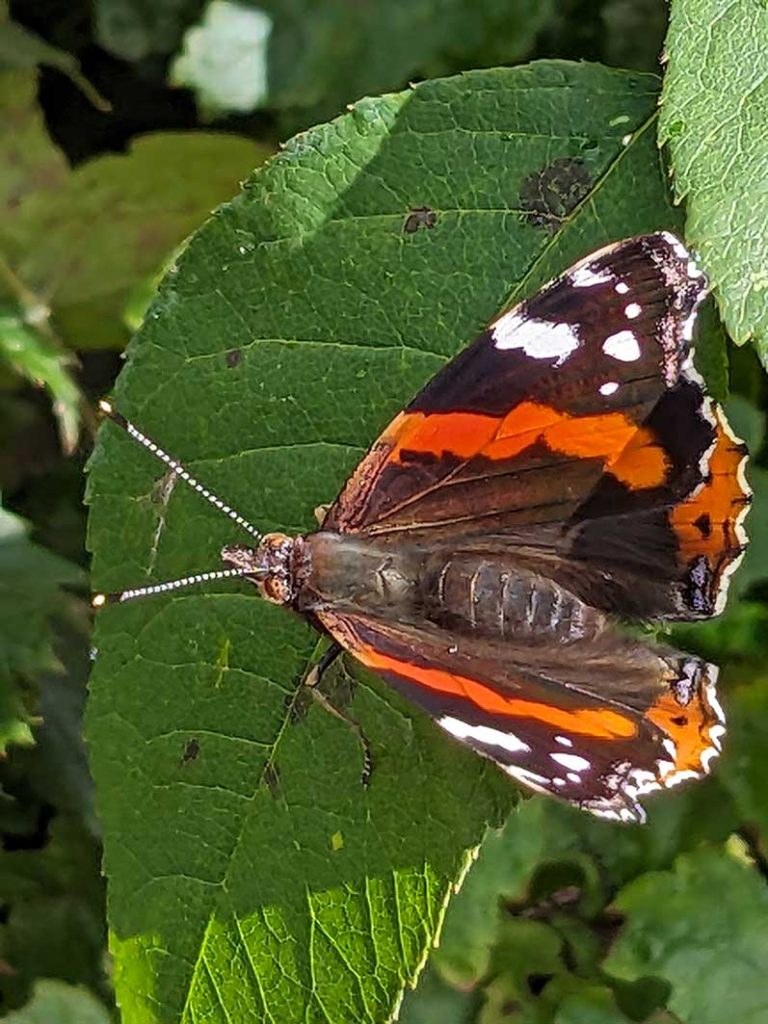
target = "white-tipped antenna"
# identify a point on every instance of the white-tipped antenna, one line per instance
(175, 466)
(99, 600)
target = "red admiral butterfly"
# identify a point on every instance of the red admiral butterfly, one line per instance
(564, 469)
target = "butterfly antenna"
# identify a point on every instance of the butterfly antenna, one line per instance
(99, 600)
(176, 467)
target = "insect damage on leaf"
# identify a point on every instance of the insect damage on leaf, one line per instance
(548, 195)
(419, 217)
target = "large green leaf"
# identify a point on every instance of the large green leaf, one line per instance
(715, 118)
(74, 243)
(249, 870)
(701, 928)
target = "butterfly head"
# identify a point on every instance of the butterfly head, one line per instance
(270, 565)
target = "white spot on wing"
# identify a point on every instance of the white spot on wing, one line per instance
(528, 778)
(584, 277)
(539, 339)
(484, 734)
(621, 288)
(563, 741)
(609, 388)
(623, 346)
(633, 310)
(572, 761)
(693, 270)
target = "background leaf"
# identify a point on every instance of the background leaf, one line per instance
(34, 357)
(714, 117)
(20, 48)
(677, 931)
(55, 1002)
(318, 57)
(74, 243)
(25, 613)
(307, 291)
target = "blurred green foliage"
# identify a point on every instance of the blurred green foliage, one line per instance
(125, 124)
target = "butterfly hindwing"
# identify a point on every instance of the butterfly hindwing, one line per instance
(615, 720)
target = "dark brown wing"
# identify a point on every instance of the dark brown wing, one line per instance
(614, 720)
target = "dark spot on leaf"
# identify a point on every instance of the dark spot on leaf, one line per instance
(703, 524)
(233, 357)
(419, 217)
(272, 778)
(191, 751)
(547, 196)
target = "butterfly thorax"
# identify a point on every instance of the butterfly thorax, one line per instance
(462, 591)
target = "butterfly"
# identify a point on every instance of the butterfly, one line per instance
(564, 472)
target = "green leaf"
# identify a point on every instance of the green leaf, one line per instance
(591, 1005)
(701, 928)
(434, 1000)
(546, 847)
(526, 951)
(20, 48)
(134, 30)
(714, 117)
(634, 33)
(74, 244)
(300, 319)
(754, 568)
(30, 355)
(381, 45)
(30, 594)
(53, 913)
(318, 57)
(744, 770)
(55, 1002)
(56, 770)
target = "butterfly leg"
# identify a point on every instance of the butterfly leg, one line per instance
(312, 683)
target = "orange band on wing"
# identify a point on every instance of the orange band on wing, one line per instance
(708, 523)
(687, 727)
(627, 450)
(600, 723)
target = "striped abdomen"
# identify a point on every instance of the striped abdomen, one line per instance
(469, 592)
